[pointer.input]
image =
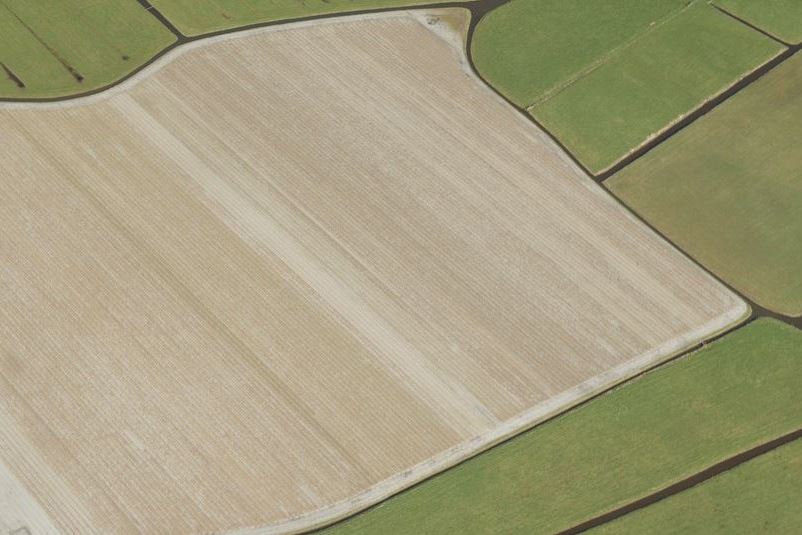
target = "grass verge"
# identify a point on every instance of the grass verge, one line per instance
(726, 398)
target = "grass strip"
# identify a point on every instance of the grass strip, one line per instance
(759, 496)
(728, 397)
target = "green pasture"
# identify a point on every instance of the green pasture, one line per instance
(728, 189)
(195, 17)
(760, 496)
(527, 48)
(683, 417)
(61, 47)
(667, 73)
(780, 18)
(604, 77)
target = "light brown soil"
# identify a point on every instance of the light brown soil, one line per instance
(289, 267)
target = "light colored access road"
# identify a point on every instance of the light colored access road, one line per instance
(292, 272)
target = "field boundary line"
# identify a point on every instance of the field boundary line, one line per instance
(167, 23)
(605, 58)
(477, 8)
(701, 109)
(686, 483)
(750, 25)
(535, 416)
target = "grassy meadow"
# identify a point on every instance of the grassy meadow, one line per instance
(527, 48)
(57, 48)
(195, 17)
(728, 189)
(759, 496)
(606, 78)
(780, 18)
(664, 75)
(728, 397)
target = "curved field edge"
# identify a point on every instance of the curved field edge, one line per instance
(459, 454)
(46, 51)
(514, 45)
(511, 427)
(153, 38)
(726, 189)
(200, 17)
(650, 433)
(526, 420)
(759, 496)
(603, 95)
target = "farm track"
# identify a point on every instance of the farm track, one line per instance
(687, 483)
(478, 10)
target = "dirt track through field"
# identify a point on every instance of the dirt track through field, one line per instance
(293, 272)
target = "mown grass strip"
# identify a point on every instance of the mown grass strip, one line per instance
(759, 496)
(728, 397)
(728, 189)
(73, 46)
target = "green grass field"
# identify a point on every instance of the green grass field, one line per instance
(527, 48)
(61, 47)
(728, 189)
(760, 496)
(604, 89)
(687, 415)
(194, 17)
(667, 73)
(781, 18)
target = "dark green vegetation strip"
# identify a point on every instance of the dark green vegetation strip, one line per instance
(57, 48)
(605, 100)
(781, 18)
(733, 395)
(728, 189)
(760, 496)
(194, 17)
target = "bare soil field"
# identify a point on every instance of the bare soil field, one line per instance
(289, 273)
